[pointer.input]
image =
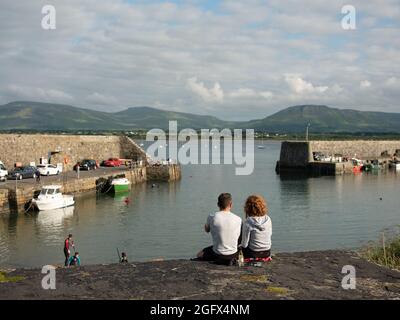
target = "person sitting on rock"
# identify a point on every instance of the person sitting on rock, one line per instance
(75, 260)
(257, 229)
(225, 228)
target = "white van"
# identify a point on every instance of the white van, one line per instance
(3, 172)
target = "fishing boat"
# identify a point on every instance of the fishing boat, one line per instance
(357, 165)
(394, 165)
(120, 185)
(50, 198)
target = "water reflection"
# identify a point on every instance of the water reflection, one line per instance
(52, 219)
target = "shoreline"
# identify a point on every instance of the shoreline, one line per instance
(299, 275)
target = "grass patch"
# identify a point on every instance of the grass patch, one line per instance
(277, 290)
(254, 278)
(386, 252)
(4, 278)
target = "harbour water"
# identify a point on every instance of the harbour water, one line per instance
(166, 220)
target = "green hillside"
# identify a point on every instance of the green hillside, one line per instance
(325, 119)
(26, 115)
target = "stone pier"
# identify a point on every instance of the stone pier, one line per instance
(298, 155)
(16, 196)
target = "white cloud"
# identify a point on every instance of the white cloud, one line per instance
(243, 93)
(266, 94)
(392, 82)
(300, 86)
(107, 55)
(40, 94)
(364, 84)
(246, 93)
(214, 94)
(101, 99)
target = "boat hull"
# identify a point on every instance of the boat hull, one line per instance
(395, 166)
(120, 185)
(43, 205)
(120, 188)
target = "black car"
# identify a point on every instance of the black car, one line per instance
(24, 173)
(86, 165)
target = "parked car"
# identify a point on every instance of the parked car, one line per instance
(112, 162)
(24, 173)
(49, 169)
(86, 164)
(3, 172)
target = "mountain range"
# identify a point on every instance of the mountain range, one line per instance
(28, 115)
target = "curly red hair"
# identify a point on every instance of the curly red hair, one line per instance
(255, 206)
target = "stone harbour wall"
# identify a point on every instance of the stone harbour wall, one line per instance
(295, 154)
(26, 148)
(16, 199)
(164, 173)
(298, 155)
(4, 200)
(358, 148)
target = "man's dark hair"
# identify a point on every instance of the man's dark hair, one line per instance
(224, 200)
(70, 235)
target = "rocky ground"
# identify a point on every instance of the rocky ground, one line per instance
(309, 275)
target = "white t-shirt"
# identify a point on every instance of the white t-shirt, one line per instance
(225, 231)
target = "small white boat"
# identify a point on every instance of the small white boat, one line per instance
(51, 198)
(394, 165)
(260, 147)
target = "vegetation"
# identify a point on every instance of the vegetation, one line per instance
(277, 290)
(4, 278)
(36, 116)
(385, 253)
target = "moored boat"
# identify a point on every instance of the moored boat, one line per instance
(51, 198)
(357, 165)
(120, 185)
(394, 165)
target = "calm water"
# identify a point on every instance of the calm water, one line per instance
(307, 214)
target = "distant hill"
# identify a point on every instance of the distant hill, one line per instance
(324, 119)
(148, 118)
(49, 116)
(26, 115)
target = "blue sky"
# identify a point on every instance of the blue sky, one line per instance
(232, 59)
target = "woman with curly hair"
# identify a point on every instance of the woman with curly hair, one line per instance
(257, 229)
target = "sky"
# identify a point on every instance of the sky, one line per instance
(236, 60)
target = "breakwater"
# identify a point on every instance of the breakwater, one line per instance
(15, 197)
(299, 155)
(66, 149)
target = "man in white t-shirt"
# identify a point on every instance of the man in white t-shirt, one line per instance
(225, 228)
